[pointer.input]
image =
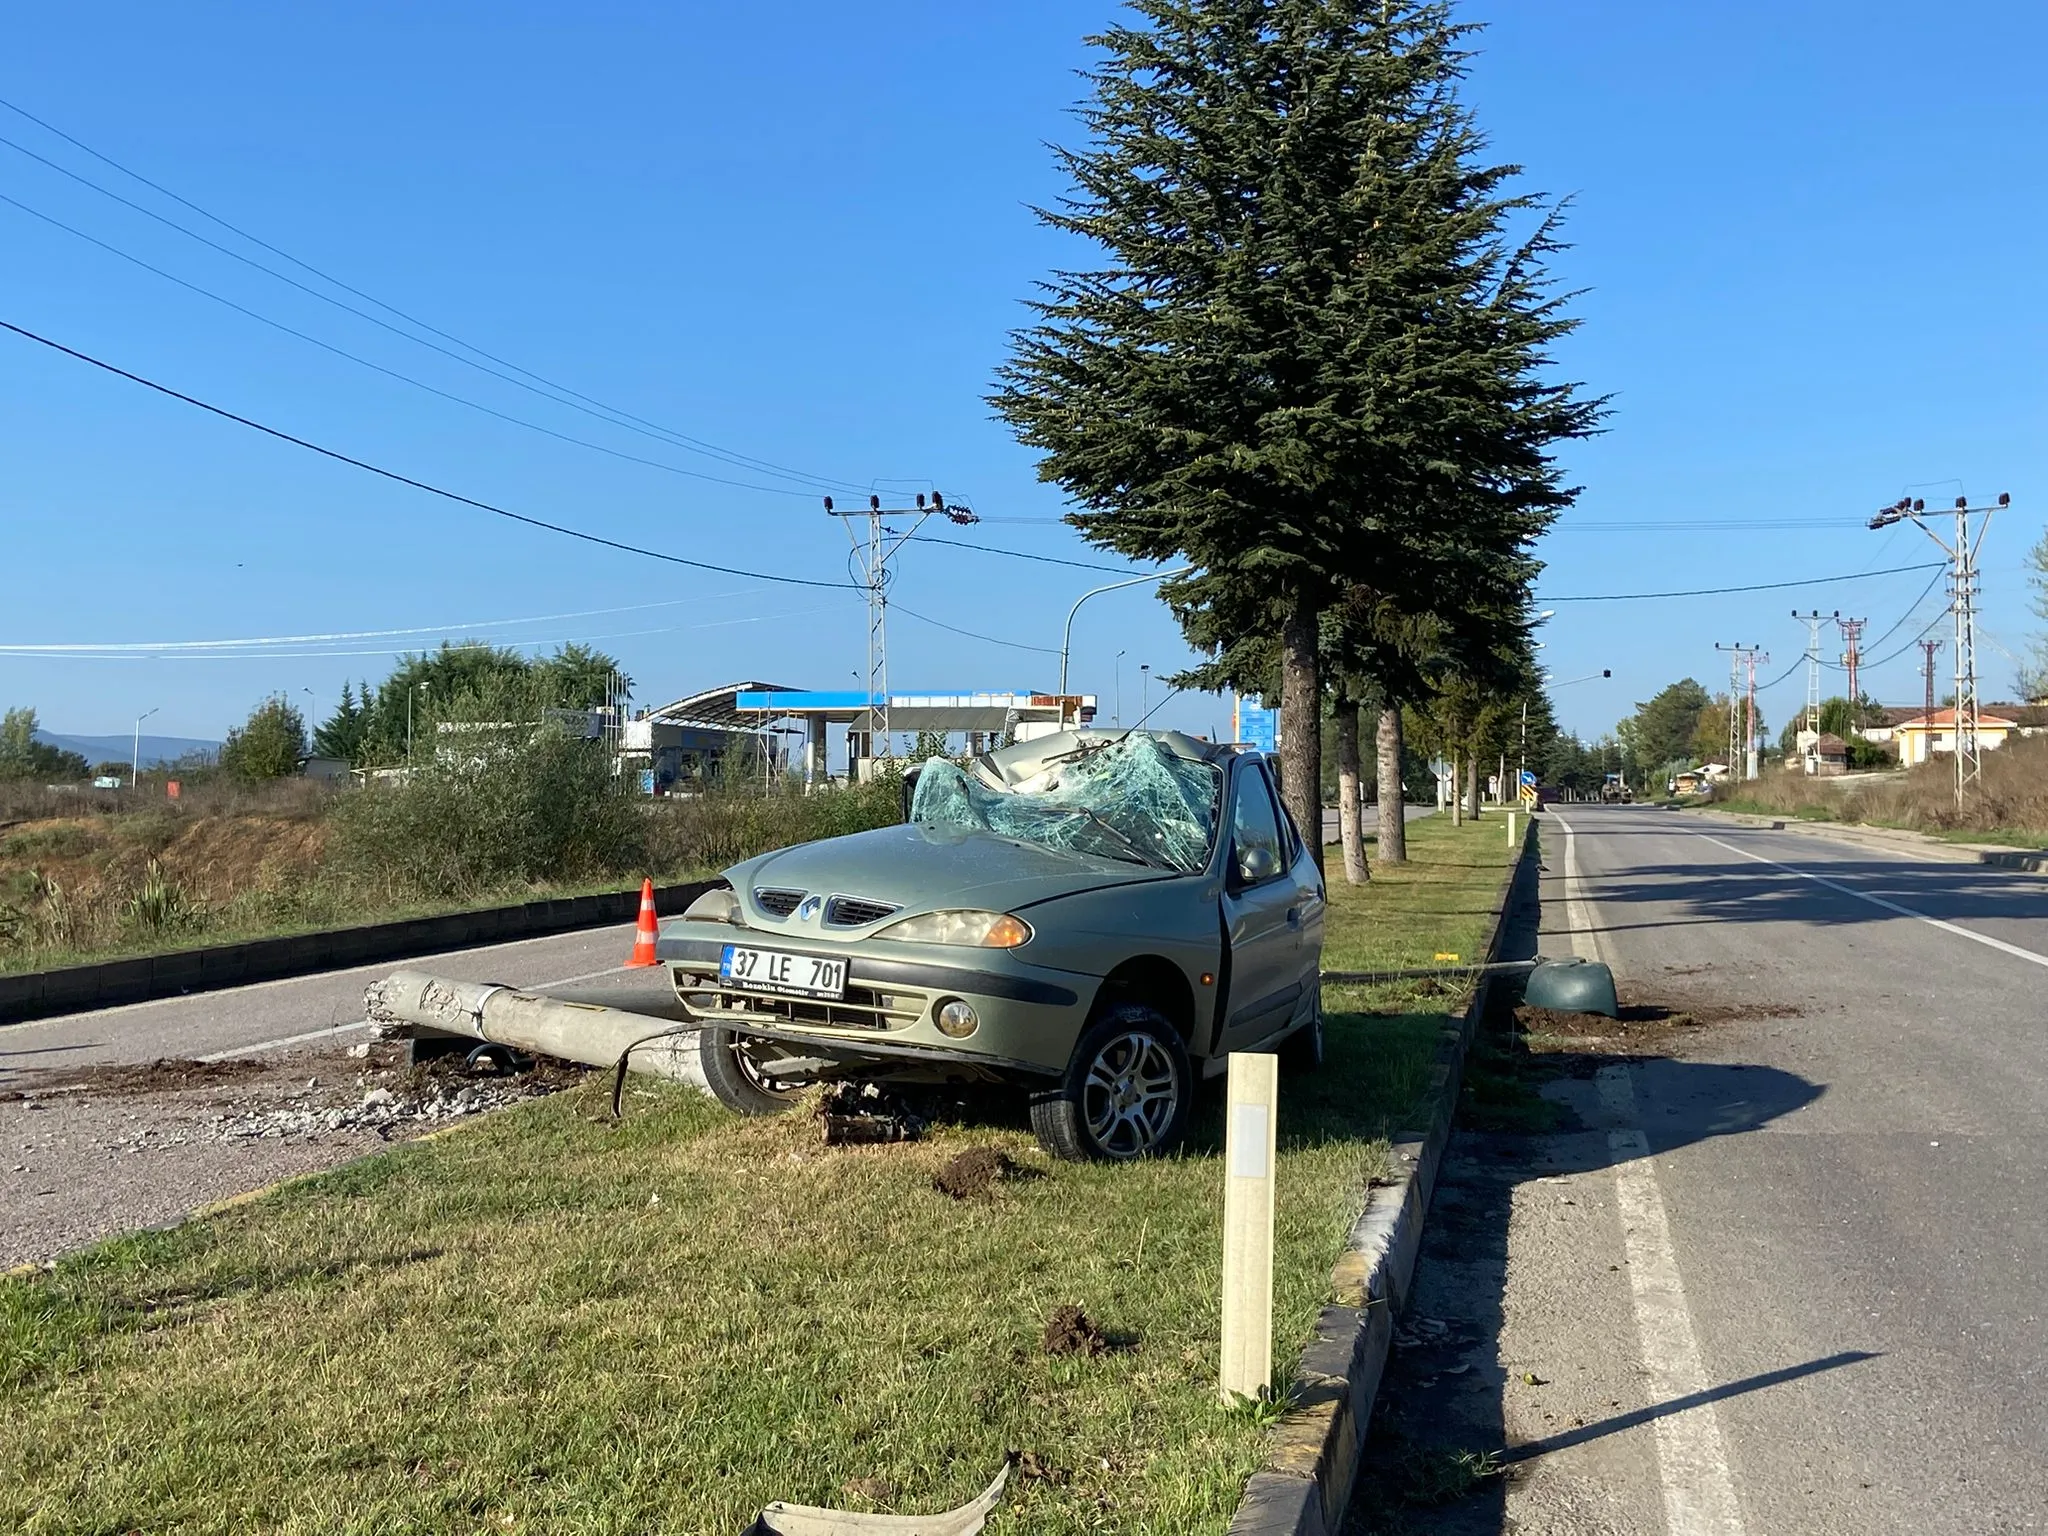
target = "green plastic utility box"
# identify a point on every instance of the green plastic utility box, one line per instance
(1572, 986)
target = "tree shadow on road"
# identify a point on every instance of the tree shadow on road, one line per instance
(1438, 1458)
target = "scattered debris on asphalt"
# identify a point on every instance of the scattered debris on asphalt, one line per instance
(131, 1079)
(270, 1099)
(1639, 1018)
(865, 1114)
(979, 1169)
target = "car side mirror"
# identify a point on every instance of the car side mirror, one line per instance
(1257, 865)
(910, 789)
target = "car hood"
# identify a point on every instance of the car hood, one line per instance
(926, 869)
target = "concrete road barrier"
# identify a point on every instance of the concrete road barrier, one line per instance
(109, 983)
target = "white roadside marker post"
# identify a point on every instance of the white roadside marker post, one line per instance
(1511, 829)
(1252, 1108)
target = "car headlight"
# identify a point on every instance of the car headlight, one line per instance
(981, 930)
(717, 906)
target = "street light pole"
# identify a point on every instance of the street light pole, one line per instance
(1119, 688)
(1145, 692)
(1067, 636)
(135, 757)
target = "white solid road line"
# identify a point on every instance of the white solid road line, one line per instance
(341, 1029)
(1692, 1458)
(277, 1045)
(1585, 943)
(1890, 906)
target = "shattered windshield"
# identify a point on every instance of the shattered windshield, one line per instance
(1131, 799)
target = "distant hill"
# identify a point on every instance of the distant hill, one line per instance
(115, 749)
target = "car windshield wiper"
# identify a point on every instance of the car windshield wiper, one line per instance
(1123, 838)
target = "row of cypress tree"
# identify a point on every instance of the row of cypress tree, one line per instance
(1310, 354)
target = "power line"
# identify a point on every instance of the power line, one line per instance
(259, 642)
(401, 650)
(393, 373)
(418, 485)
(1018, 554)
(1015, 645)
(561, 394)
(1764, 586)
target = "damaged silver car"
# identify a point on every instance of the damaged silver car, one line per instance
(1098, 917)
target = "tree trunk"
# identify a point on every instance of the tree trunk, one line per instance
(1350, 794)
(1472, 782)
(1301, 723)
(1457, 792)
(1393, 838)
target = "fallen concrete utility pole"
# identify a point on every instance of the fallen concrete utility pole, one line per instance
(407, 1001)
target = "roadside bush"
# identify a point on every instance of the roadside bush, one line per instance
(543, 809)
(2014, 796)
(724, 825)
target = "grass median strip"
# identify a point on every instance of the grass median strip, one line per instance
(551, 1322)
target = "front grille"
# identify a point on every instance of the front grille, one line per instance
(862, 1007)
(775, 902)
(855, 912)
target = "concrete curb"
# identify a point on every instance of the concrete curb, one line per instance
(108, 983)
(1304, 1487)
(1855, 835)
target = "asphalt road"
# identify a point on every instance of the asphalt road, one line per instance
(1372, 819)
(111, 1152)
(1785, 1270)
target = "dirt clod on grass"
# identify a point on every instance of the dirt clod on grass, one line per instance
(978, 1170)
(1069, 1332)
(878, 1491)
(1033, 1468)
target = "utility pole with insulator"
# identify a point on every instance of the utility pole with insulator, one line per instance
(1810, 737)
(1852, 639)
(872, 556)
(1929, 648)
(1741, 712)
(1963, 589)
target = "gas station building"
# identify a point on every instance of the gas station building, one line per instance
(689, 740)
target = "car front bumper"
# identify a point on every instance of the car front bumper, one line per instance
(1030, 1015)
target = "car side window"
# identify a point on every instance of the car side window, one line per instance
(1256, 854)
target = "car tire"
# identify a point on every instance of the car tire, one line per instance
(1125, 1093)
(731, 1080)
(1302, 1051)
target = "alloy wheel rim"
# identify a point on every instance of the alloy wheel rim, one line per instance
(1130, 1096)
(750, 1069)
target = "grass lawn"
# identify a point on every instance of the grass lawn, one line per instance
(549, 1322)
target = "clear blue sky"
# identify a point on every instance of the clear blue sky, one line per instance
(1810, 235)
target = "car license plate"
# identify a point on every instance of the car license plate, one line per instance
(773, 970)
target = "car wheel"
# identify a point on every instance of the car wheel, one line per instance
(1302, 1051)
(735, 1077)
(1125, 1093)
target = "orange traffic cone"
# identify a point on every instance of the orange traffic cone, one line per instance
(648, 931)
